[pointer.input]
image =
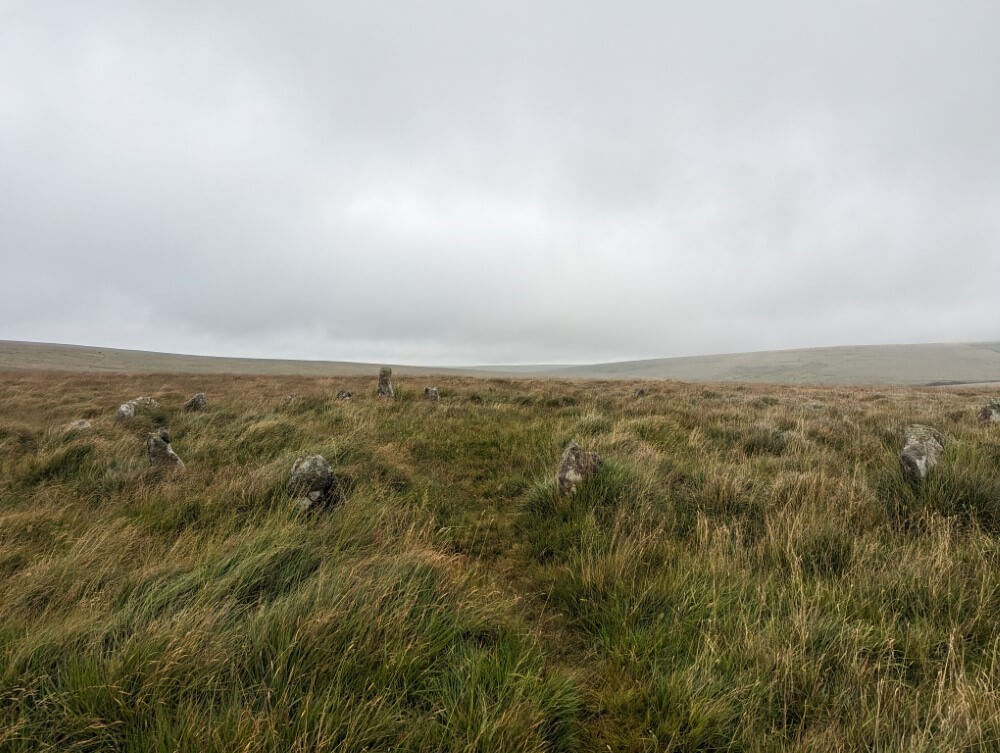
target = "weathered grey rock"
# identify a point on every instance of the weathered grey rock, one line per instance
(197, 403)
(129, 408)
(639, 392)
(432, 394)
(385, 383)
(344, 395)
(161, 454)
(576, 465)
(81, 424)
(990, 412)
(923, 447)
(312, 482)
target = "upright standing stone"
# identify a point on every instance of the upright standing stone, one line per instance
(312, 482)
(576, 466)
(197, 403)
(923, 447)
(160, 452)
(385, 383)
(639, 392)
(990, 412)
(432, 394)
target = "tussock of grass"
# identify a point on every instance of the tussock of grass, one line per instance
(747, 571)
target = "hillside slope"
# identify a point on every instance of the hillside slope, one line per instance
(872, 364)
(875, 364)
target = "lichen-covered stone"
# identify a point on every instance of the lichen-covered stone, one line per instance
(81, 424)
(129, 408)
(923, 447)
(344, 395)
(576, 466)
(432, 394)
(312, 482)
(385, 383)
(197, 403)
(161, 454)
(990, 412)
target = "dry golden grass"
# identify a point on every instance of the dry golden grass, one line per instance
(747, 572)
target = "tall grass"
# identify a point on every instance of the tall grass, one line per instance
(748, 571)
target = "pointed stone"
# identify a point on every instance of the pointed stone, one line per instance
(161, 454)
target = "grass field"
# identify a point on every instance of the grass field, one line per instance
(747, 572)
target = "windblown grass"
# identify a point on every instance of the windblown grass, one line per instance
(747, 572)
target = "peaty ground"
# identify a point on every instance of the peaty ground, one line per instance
(747, 572)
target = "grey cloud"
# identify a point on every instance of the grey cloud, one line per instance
(471, 182)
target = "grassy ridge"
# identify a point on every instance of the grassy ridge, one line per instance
(747, 572)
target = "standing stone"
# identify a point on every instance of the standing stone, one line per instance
(432, 394)
(129, 408)
(312, 482)
(990, 412)
(197, 403)
(923, 447)
(81, 424)
(344, 395)
(385, 383)
(576, 466)
(639, 392)
(161, 454)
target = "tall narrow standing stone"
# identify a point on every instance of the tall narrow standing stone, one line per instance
(385, 383)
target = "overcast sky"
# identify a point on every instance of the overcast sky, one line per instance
(465, 182)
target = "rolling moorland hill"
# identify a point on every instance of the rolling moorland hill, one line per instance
(875, 364)
(747, 571)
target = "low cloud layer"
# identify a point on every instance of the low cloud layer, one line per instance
(498, 182)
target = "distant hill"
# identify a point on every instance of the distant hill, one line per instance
(19, 356)
(940, 363)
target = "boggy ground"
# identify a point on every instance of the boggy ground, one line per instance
(747, 572)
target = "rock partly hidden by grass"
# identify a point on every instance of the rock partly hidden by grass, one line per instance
(745, 570)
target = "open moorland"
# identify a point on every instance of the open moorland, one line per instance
(747, 571)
